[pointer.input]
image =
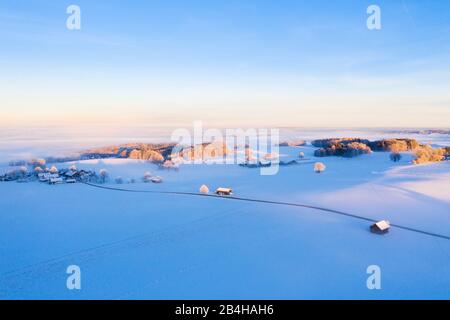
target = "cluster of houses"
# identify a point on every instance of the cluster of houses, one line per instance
(48, 175)
(65, 176)
(148, 177)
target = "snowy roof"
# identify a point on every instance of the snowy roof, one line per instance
(383, 225)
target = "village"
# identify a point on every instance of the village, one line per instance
(54, 176)
(50, 175)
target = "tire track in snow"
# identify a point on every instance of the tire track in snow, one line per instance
(15, 281)
(154, 283)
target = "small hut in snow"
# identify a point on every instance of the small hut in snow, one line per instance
(44, 176)
(147, 176)
(380, 227)
(204, 189)
(224, 191)
(56, 181)
(156, 179)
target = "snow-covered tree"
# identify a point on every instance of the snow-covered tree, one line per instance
(319, 167)
(103, 175)
(147, 176)
(13, 174)
(301, 155)
(119, 180)
(23, 171)
(37, 162)
(53, 169)
(204, 189)
(73, 168)
(38, 170)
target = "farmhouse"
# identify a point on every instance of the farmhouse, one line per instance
(43, 176)
(55, 181)
(84, 175)
(380, 227)
(70, 173)
(224, 191)
(156, 179)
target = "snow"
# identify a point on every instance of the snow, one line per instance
(383, 225)
(165, 246)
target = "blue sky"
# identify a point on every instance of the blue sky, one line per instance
(234, 62)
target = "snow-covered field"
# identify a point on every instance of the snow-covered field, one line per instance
(157, 246)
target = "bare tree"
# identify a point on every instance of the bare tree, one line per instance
(395, 156)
